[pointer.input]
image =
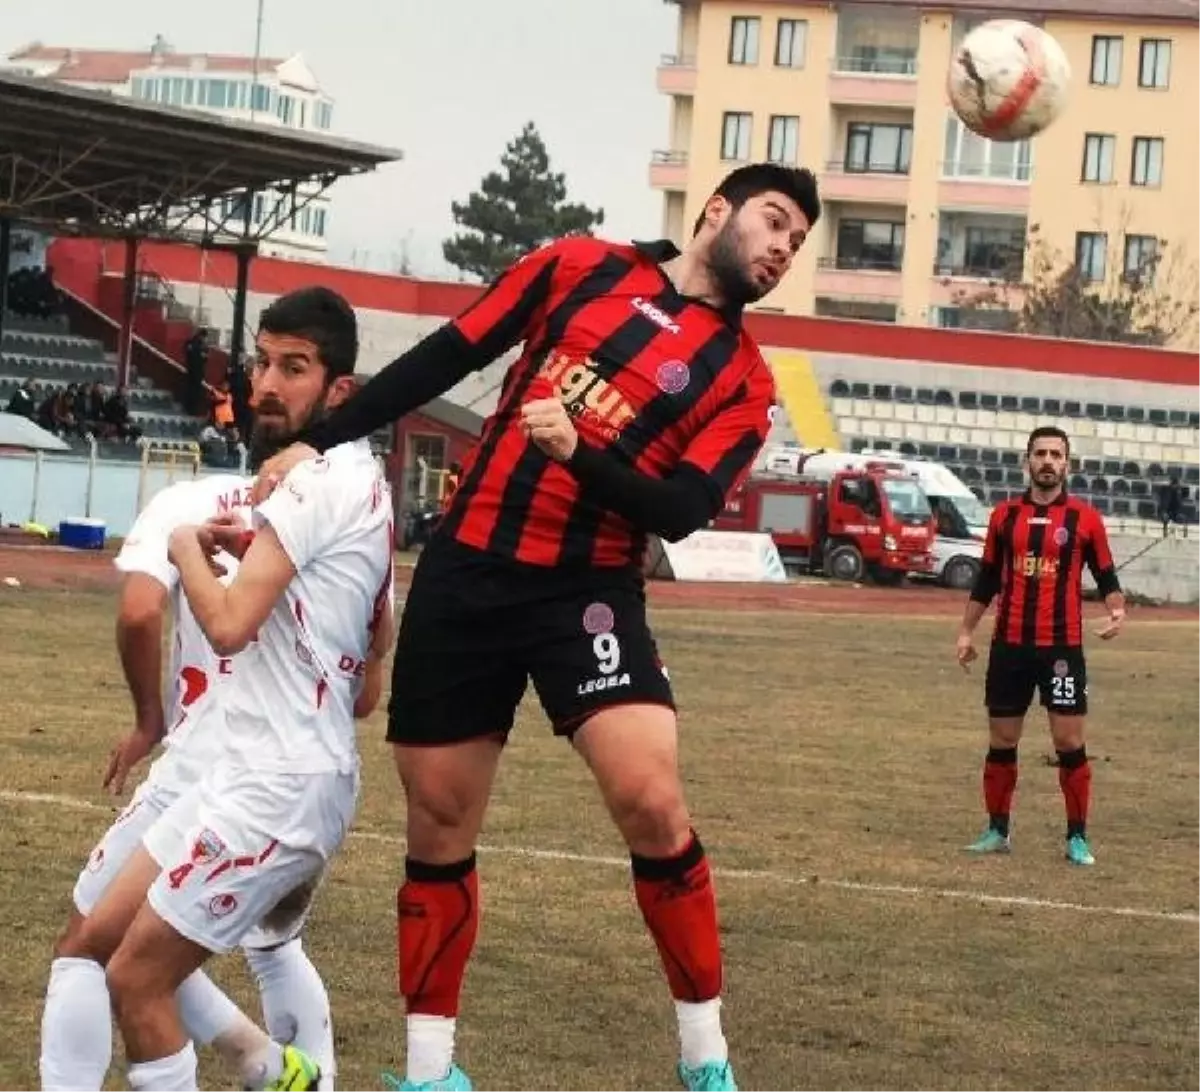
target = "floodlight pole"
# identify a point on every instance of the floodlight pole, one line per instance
(5, 250)
(257, 55)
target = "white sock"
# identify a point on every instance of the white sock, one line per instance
(295, 1003)
(430, 1047)
(77, 1040)
(174, 1074)
(211, 1017)
(206, 1011)
(700, 1037)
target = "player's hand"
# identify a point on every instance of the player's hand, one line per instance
(188, 537)
(128, 752)
(546, 422)
(964, 649)
(277, 467)
(228, 533)
(1116, 619)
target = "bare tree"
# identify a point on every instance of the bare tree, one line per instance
(1146, 294)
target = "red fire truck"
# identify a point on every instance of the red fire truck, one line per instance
(847, 524)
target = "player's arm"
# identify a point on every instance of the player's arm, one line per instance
(1099, 560)
(383, 630)
(491, 326)
(231, 616)
(140, 614)
(988, 580)
(685, 500)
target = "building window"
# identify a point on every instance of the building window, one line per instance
(743, 39)
(1154, 65)
(318, 222)
(324, 115)
(1141, 257)
(1099, 151)
(791, 43)
(1091, 249)
(870, 244)
(735, 136)
(878, 149)
(992, 252)
(1147, 161)
(968, 155)
(784, 140)
(1106, 60)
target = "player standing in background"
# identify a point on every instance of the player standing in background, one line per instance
(1033, 559)
(638, 402)
(338, 537)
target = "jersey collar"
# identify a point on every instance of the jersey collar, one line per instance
(663, 250)
(1058, 501)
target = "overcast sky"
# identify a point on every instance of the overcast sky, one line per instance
(449, 82)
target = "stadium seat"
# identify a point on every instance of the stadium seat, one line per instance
(1158, 417)
(1009, 403)
(1110, 467)
(925, 396)
(1100, 504)
(1139, 487)
(998, 496)
(1095, 411)
(902, 394)
(881, 392)
(1120, 487)
(1193, 419)
(1147, 509)
(1100, 485)
(1191, 475)
(1072, 409)
(968, 454)
(1031, 405)
(993, 475)
(839, 388)
(968, 400)
(1010, 458)
(1078, 483)
(1135, 414)
(1131, 470)
(1121, 507)
(1015, 477)
(943, 397)
(1114, 413)
(1051, 407)
(1177, 418)
(860, 390)
(989, 402)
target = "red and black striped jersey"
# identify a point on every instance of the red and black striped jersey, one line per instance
(1034, 558)
(659, 380)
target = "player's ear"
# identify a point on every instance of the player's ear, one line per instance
(717, 210)
(339, 390)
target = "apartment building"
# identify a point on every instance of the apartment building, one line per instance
(919, 210)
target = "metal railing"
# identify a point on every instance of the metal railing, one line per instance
(844, 166)
(677, 60)
(669, 158)
(985, 172)
(852, 263)
(876, 66)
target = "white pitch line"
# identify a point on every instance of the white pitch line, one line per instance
(754, 874)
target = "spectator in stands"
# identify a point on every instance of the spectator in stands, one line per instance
(94, 412)
(116, 415)
(31, 292)
(22, 403)
(222, 407)
(195, 357)
(1170, 506)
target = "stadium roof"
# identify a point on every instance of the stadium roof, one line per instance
(84, 161)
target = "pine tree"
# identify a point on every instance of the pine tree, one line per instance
(515, 210)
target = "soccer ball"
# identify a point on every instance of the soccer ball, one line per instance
(1008, 79)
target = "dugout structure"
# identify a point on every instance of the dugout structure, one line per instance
(85, 163)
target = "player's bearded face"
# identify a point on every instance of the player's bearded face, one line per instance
(1048, 464)
(288, 393)
(753, 249)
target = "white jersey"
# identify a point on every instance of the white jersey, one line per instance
(191, 704)
(290, 704)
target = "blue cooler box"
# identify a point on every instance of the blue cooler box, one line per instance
(82, 534)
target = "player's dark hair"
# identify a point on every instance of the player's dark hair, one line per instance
(321, 316)
(1047, 432)
(798, 183)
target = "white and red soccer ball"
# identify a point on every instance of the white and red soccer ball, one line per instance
(1008, 79)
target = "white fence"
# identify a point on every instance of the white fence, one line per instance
(47, 488)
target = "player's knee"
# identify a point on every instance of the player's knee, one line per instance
(69, 943)
(443, 807)
(652, 815)
(131, 981)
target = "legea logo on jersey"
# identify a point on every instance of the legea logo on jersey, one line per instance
(1032, 565)
(588, 398)
(656, 315)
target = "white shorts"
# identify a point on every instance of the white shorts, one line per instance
(243, 848)
(119, 842)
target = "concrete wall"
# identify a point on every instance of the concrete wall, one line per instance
(1167, 572)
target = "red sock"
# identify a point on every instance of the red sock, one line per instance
(1075, 780)
(437, 913)
(675, 895)
(999, 784)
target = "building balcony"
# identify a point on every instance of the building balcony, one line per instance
(676, 75)
(854, 82)
(669, 170)
(859, 278)
(842, 183)
(954, 281)
(969, 186)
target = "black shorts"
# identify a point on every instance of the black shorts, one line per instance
(476, 628)
(1014, 672)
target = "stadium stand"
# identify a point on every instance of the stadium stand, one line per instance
(42, 349)
(1122, 452)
